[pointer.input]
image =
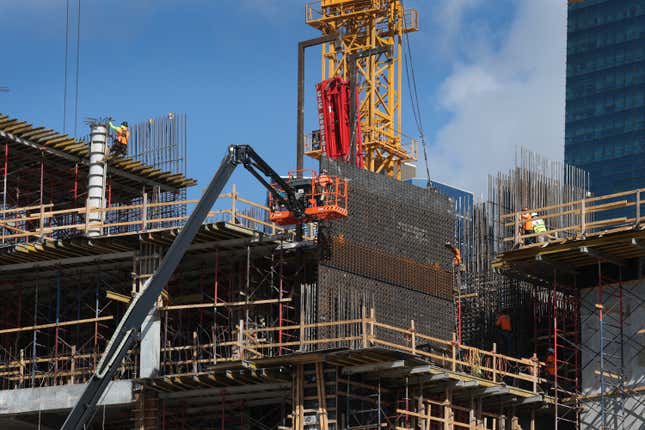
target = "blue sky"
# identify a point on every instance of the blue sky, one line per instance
(490, 75)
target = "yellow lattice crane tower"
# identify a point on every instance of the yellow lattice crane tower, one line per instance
(371, 35)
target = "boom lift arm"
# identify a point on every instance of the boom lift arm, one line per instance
(126, 332)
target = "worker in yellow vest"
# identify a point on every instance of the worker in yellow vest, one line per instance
(539, 227)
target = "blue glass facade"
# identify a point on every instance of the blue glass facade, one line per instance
(605, 98)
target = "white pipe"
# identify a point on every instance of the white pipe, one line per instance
(96, 178)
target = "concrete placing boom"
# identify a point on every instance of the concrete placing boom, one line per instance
(126, 332)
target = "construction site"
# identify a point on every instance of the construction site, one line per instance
(349, 298)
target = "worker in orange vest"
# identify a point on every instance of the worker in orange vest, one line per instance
(120, 145)
(456, 253)
(505, 332)
(527, 225)
(457, 263)
(324, 182)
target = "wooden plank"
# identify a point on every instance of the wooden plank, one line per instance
(52, 325)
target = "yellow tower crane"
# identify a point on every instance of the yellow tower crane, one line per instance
(371, 34)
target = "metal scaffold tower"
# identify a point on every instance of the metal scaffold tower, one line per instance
(369, 46)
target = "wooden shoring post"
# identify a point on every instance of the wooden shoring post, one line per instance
(583, 218)
(364, 325)
(57, 327)
(532, 422)
(535, 371)
(22, 367)
(233, 205)
(322, 396)
(421, 410)
(413, 338)
(195, 356)
(87, 215)
(216, 280)
(72, 364)
(453, 348)
(472, 420)
(494, 364)
(144, 211)
(297, 411)
(75, 183)
(372, 321)
(301, 323)
(4, 189)
(515, 422)
(516, 230)
(280, 297)
(638, 208)
(42, 184)
(240, 340)
(428, 412)
(448, 414)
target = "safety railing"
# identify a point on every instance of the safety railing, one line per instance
(577, 219)
(67, 364)
(72, 365)
(34, 223)
(249, 344)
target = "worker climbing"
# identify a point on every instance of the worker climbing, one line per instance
(120, 145)
(456, 259)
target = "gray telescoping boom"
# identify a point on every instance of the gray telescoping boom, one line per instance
(127, 331)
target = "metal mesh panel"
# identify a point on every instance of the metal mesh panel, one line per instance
(341, 295)
(389, 250)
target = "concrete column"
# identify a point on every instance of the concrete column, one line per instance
(96, 177)
(150, 354)
(145, 264)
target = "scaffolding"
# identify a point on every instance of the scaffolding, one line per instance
(579, 271)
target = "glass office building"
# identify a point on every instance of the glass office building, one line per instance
(605, 98)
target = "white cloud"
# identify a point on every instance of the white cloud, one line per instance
(499, 99)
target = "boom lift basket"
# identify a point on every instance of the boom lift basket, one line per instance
(324, 198)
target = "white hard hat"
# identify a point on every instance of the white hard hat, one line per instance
(534, 214)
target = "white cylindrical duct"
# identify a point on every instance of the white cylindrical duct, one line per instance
(96, 179)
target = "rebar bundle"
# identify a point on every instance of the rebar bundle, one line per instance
(533, 182)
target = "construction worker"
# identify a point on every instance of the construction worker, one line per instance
(324, 182)
(504, 332)
(538, 226)
(120, 145)
(527, 226)
(456, 259)
(457, 264)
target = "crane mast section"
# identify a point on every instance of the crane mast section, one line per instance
(365, 25)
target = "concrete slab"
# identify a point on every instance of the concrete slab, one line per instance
(60, 397)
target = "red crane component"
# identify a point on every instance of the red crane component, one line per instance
(324, 196)
(333, 115)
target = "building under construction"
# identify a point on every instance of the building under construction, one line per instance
(362, 322)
